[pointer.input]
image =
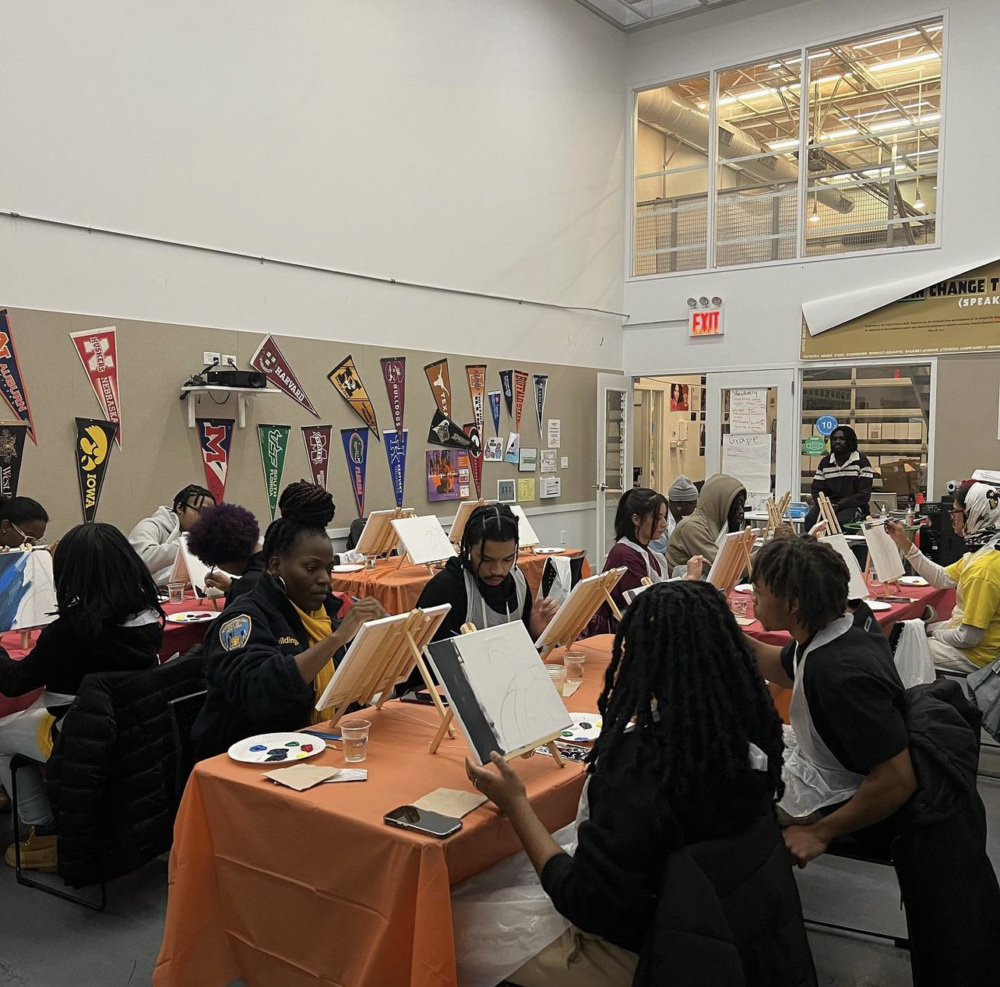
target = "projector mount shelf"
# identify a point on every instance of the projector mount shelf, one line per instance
(214, 390)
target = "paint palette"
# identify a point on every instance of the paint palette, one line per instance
(914, 581)
(878, 605)
(744, 588)
(347, 567)
(276, 748)
(191, 617)
(586, 727)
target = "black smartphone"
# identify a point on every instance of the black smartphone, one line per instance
(423, 821)
(421, 696)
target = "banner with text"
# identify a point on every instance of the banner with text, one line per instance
(215, 436)
(439, 379)
(494, 397)
(394, 374)
(356, 450)
(507, 386)
(476, 455)
(477, 392)
(98, 352)
(94, 441)
(346, 380)
(273, 440)
(395, 452)
(11, 453)
(270, 361)
(520, 388)
(11, 381)
(541, 385)
(317, 441)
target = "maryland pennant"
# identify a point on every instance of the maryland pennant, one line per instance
(475, 455)
(317, 440)
(11, 453)
(520, 387)
(98, 352)
(273, 441)
(356, 450)
(541, 384)
(94, 441)
(477, 392)
(216, 437)
(494, 397)
(394, 374)
(395, 451)
(439, 378)
(268, 359)
(345, 379)
(507, 386)
(11, 382)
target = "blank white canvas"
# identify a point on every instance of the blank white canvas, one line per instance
(423, 539)
(857, 589)
(884, 554)
(190, 568)
(28, 589)
(526, 537)
(371, 532)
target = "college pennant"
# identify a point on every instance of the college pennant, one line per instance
(11, 451)
(98, 352)
(476, 456)
(394, 374)
(477, 392)
(273, 441)
(541, 384)
(444, 432)
(317, 440)
(94, 440)
(11, 381)
(270, 361)
(494, 397)
(215, 436)
(507, 386)
(356, 450)
(439, 378)
(345, 379)
(395, 451)
(520, 387)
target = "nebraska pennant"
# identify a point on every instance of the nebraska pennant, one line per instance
(475, 455)
(98, 352)
(494, 397)
(520, 387)
(507, 386)
(356, 450)
(439, 378)
(94, 440)
(477, 392)
(11, 382)
(268, 359)
(317, 440)
(11, 451)
(394, 374)
(345, 379)
(444, 432)
(273, 441)
(541, 383)
(395, 451)
(215, 436)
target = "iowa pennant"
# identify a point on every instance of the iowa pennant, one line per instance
(520, 387)
(317, 440)
(345, 379)
(494, 397)
(541, 384)
(98, 352)
(215, 436)
(395, 451)
(477, 392)
(394, 374)
(11, 382)
(273, 441)
(507, 386)
(475, 455)
(439, 379)
(356, 450)
(94, 441)
(11, 452)
(268, 359)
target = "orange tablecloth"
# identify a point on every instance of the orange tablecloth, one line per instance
(398, 588)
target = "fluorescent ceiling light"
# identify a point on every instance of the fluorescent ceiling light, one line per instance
(796, 59)
(897, 63)
(836, 134)
(902, 122)
(885, 109)
(782, 144)
(899, 37)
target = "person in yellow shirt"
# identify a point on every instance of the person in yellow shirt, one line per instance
(970, 638)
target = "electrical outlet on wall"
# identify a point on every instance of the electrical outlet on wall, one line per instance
(208, 359)
(229, 361)
(562, 537)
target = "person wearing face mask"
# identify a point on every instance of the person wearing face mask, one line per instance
(272, 652)
(682, 498)
(845, 476)
(157, 537)
(719, 511)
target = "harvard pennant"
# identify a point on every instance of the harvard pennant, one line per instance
(268, 359)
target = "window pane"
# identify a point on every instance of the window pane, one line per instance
(671, 178)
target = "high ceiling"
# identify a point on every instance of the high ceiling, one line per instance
(633, 15)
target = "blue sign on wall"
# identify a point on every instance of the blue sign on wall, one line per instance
(826, 424)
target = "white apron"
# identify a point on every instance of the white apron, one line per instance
(478, 613)
(654, 576)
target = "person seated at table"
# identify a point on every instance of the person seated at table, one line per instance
(108, 620)
(845, 476)
(156, 538)
(227, 538)
(273, 650)
(970, 638)
(483, 584)
(22, 522)
(690, 751)
(682, 498)
(719, 511)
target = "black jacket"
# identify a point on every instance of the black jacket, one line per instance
(254, 685)
(255, 567)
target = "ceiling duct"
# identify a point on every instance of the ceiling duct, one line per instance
(664, 110)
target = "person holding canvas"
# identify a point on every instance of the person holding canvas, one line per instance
(156, 538)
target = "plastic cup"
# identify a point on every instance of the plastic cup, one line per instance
(175, 591)
(739, 607)
(573, 662)
(355, 738)
(558, 675)
(370, 561)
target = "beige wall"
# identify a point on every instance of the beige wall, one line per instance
(160, 454)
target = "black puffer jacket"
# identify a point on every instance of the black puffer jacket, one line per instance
(112, 774)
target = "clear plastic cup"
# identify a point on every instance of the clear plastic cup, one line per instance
(175, 591)
(370, 561)
(573, 662)
(558, 675)
(355, 739)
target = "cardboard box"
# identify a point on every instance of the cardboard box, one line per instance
(901, 476)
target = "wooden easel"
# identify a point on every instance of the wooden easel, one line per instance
(828, 514)
(576, 611)
(465, 509)
(526, 751)
(378, 536)
(732, 561)
(775, 514)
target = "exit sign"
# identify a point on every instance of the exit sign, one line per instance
(705, 322)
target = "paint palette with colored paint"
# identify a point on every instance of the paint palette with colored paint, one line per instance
(586, 727)
(276, 748)
(191, 617)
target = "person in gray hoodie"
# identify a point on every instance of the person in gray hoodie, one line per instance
(156, 538)
(720, 508)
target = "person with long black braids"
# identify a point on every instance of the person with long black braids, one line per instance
(273, 650)
(483, 584)
(690, 751)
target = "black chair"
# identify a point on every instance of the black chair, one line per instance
(357, 526)
(183, 712)
(988, 743)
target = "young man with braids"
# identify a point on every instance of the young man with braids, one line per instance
(483, 585)
(156, 538)
(272, 652)
(679, 791)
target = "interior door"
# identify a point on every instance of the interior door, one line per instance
(614, 470)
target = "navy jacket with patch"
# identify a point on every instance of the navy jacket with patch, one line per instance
(254, 685)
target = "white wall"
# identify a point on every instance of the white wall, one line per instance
(763, 304)
(472, 145)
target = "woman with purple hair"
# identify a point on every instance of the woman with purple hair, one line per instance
(227, 538)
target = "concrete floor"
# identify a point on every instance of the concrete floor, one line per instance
(45, 942)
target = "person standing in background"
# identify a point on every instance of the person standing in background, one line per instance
(845, 476)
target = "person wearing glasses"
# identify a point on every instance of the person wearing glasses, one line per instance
(22, 522)
(156, 538)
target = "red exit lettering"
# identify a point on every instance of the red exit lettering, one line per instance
(705, 323)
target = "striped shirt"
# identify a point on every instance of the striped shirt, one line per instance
(847, 484)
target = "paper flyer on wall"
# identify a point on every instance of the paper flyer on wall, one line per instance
(444, 432)
(525, 490)
(541, 385)
(493, 452)
(215, 436)
(346, 380)
(507, 386)
(494, 398)
(317, 443)
(356, 451)
(270, 361)
(520, 388)
(747, 410)
(395, 451)
(94, 441)
(447, 475)
(554, 432)
(528, 462)
(11, 454)
(273, 440)
(477, 392)
(98, 352)
(394, 375)
(548, 460)
(513, 452)
(439, 379)
(11, 380)
(475, 455)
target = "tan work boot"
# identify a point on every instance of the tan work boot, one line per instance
(37, 853)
